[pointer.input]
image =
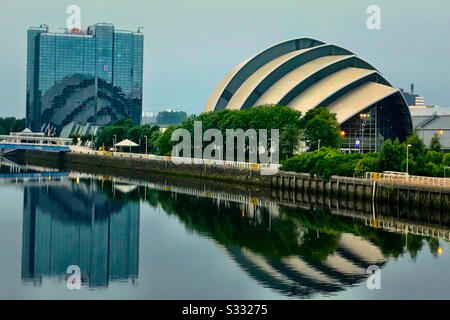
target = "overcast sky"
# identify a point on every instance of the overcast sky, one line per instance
(190, 45)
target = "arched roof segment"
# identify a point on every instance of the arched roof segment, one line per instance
(233, 80)
(325, 88)
(262, 79)
(359, 99)
(287, 83)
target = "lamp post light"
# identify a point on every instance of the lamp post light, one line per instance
(114, 143)
(364, 117)
(441, 133)
(342, 134)
(145, 144)
(318, 144)
(407, 156)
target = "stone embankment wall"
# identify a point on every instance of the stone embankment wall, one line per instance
(337, 186)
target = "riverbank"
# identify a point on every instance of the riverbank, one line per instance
(366, 190)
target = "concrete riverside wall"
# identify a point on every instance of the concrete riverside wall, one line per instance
(337, 186)
(144, 166)
(356, 189)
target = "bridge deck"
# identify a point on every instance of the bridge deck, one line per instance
(43, 147)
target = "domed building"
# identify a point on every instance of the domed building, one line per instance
(306, 73)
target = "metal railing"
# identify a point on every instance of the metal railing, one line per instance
(403, 177)
(181, 160)
(34, 140)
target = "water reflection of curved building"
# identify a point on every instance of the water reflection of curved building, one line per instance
(297, 277)
(76, 224)
(273, 248)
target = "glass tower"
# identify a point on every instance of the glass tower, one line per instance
(83, 76)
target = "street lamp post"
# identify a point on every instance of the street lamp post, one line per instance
(114, 143)
(364, 117)
(407, 156)
(441, 133)
(145, 144)
(318, 144)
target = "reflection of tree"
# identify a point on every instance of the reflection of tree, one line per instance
(229, 227)
(433, 244)
(317, 246)
(323, 221)
(414, 245)
(312, 235)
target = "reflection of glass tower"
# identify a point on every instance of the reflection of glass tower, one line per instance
(90, 76)
(76, 224)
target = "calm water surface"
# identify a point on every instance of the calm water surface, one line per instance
(158, 241)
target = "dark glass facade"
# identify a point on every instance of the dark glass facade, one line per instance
(68, 223)
(92, 76)
(372, 126)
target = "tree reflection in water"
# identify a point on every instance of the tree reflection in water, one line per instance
(296, 251)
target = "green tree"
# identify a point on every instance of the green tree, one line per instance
(417, 145)
(369, 163)
(283, 118)
(11, 124)
(434, 157)
(135, 134)
(446, 159)
(149, 131)
(106, 135)
(324, 162)
(124, 122)
(2, 130)
(164, 143)
(321, 124)
(18, 125)
(435, 144)
(154, 141)
(392, 156)
(433, 244)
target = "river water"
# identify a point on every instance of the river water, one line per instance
(159, 240)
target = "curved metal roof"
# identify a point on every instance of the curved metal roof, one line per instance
(359, 99)
(305, 73)
(287, 83)
(255, 79)
(232, 81)
(321, 90)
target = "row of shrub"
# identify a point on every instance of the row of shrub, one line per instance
(330, 161)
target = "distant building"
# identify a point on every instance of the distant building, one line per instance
(148, 118)
(414, 100)
(92, 75)
(431, 121)
(170, 117)
(410, 97)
